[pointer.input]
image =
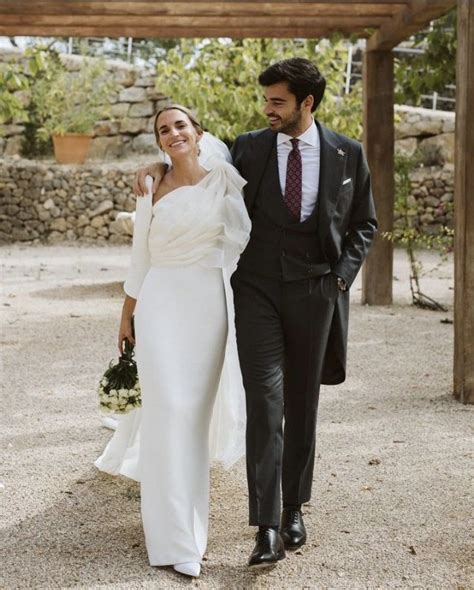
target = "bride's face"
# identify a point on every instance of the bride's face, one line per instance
(177, 134)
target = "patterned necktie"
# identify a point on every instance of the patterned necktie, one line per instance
(292, 196)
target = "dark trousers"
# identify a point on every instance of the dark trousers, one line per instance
(282, 332)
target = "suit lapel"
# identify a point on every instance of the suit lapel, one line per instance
(258, 154)
(330, 178)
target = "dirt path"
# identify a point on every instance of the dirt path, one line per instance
(391, 501)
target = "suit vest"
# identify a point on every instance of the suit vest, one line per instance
(280, 247)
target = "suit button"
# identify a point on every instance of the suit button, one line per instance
(283, 253)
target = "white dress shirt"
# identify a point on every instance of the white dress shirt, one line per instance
(309, 147)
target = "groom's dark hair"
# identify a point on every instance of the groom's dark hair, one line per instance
(301, 75)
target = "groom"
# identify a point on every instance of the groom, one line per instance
(313, 219)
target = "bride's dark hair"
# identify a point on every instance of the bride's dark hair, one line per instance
(177, 107)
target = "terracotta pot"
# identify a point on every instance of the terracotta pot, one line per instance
(71, 148)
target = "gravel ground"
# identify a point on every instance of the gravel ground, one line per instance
(391, 502)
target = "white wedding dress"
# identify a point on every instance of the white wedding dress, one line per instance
(184, 248)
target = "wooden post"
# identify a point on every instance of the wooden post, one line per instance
(377, 272)
(464, 209)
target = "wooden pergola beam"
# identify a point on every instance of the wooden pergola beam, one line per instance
(393, 20)
(195, 22)
(194, 8)
(174, 32)
(130, 4)
(464, 208)
(408, 21)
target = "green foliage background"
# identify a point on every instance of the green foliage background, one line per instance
(433, 70)
(219, 81)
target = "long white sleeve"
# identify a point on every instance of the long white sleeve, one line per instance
(140, 259)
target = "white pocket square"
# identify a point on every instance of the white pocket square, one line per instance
(347, 181)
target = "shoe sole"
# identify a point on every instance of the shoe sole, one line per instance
(294, 547)
(267, 564)
(258, 567)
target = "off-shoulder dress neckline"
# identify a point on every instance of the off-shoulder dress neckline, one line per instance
(181, 187)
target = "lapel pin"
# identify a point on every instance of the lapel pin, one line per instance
(341, 152)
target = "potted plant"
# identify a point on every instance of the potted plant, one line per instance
(70, 105)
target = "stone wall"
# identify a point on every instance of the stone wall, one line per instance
(428, 137)
(426, 133)
(431, 200)
(129, 128)
(53, 203)
(47, 202)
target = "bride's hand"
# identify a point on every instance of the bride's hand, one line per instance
(156, 171)
(125, 333)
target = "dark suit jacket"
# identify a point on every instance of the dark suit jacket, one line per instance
(347, 221)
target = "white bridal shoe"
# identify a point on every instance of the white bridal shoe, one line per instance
(109, 422)
(190, 568)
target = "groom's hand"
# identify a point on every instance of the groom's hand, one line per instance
(156, 171)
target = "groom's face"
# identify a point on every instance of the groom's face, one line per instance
(281, 109)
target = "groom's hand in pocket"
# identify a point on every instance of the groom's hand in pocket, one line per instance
(156, 171)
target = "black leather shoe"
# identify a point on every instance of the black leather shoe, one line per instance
(268, 550)
(292, 528)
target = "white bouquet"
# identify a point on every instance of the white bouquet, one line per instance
(119, 389)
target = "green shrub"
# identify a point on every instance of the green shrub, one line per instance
(12, 107)
(43, 67)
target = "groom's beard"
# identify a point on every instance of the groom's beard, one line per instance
(289, 125)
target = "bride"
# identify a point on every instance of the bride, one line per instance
(187, 239)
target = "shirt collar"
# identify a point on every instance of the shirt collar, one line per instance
(310, 136)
